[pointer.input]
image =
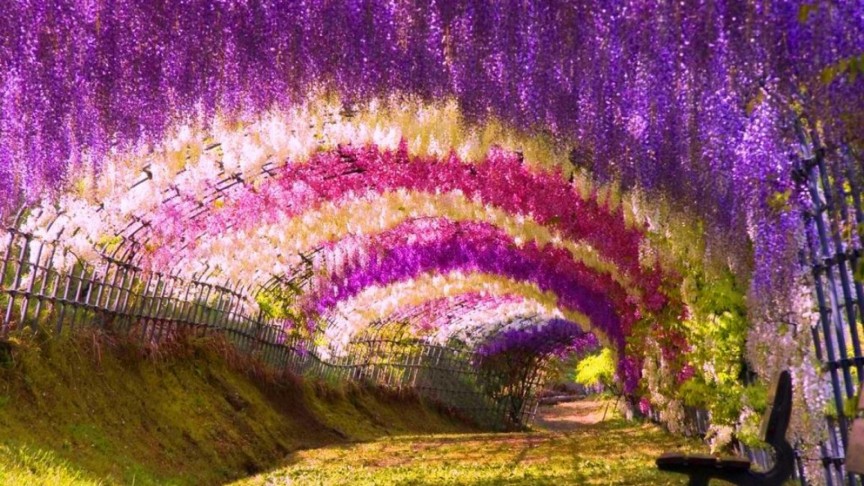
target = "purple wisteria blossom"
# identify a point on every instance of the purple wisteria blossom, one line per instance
(556, 337)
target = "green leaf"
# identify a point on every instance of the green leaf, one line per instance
(827, 75)
(598, 368)
(804, 12)
(859, 272)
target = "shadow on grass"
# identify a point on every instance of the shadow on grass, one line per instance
(191, 414)
(611, 452)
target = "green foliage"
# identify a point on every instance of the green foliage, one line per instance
(756, 397)
(805, 10)
(852, 67)
(596, 369)
(110, 243)
(717, 330)
(26, 465)
(274, 304)
(750, 432)
(715, 325)
(859, 272)
(278, 303)
(779, 201)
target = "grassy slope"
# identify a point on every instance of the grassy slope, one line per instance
(85, 411)
(610, 452)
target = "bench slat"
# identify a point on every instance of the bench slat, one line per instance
(702, 460)
(734, 463)
(671, 459)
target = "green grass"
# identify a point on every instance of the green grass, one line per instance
(95, 410)
(92, 410)
(23, 465)
(611, 452)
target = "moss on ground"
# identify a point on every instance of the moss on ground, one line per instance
(96, 409)
(612, 452)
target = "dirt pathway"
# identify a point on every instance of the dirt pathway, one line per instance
(571, 416)
(569, 445)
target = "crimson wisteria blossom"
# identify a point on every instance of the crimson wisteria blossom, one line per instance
(499, 181)
(441, 246)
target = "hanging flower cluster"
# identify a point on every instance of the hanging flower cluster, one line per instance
(337, 226)
(500, 183)
(617, 74)
(556, 337)
(441, 246)
(651, 93)
(470, 318)
(376, 303)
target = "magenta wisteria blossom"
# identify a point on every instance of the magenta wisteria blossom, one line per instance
(441, 246)
(500, 181)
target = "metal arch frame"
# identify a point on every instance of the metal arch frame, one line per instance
(375, 330)
(404, 321)
(138, 232)
(115, 295)
(169, 302)
(515, 323)
(173, 196)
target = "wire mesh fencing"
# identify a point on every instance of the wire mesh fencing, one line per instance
(46, 289)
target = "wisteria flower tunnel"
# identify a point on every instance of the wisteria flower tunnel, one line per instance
(343, 186)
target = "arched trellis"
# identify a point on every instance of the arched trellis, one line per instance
(179, 298)
(118, 293)
(404, 323)
(127, 245)
(119, 297)
(120, 260)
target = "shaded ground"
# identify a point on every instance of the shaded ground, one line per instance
(97, 411)
(570, 446)
(89, 411)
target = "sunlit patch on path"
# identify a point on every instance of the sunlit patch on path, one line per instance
(572, 416)
(570, 445)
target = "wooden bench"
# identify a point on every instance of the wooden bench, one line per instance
(702, 468)
(855, 451)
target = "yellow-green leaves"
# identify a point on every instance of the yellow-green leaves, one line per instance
(852, 67)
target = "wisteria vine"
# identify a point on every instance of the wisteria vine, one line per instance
(580, 133)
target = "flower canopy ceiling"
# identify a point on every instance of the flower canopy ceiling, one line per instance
(452, 167)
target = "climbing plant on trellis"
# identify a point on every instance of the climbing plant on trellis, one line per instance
(830, 180)
(114, 296)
